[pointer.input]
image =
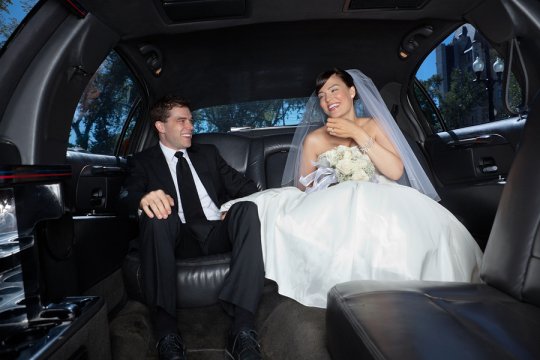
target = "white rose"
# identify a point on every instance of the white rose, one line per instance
(356, 152)
(331, 157)
(345, 166)
(361, 163)
(360, 175)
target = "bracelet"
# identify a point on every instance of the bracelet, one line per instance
(365, 149)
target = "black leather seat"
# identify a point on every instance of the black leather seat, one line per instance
(199, 280)
(433, 320)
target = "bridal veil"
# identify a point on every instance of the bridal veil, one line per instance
(369, 103)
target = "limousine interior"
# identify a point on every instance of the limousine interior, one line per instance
(78, 79)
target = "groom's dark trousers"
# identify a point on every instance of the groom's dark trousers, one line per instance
(162, 241)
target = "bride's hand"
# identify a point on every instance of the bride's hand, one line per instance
(343, 128)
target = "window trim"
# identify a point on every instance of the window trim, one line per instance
(416, 82)
(137, 106)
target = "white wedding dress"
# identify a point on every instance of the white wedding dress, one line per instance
(359, 230)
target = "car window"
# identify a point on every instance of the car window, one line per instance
(107, 111)
(460, 83)
(11, 15)
(254, 114)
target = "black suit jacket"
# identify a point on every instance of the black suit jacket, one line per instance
(149, 171)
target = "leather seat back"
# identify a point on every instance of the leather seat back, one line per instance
(270, 158)
(262, 159)
(234, 149)
(512, 257)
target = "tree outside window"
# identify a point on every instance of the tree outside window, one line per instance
(104, 108)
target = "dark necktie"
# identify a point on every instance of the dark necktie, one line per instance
(191, 204)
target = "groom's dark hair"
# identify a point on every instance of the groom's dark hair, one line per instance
(323, 77)
(160, 110)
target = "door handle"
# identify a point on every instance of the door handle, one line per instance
(97, 198)
(490, 139)
(107, 170)
(489, 169)
(488, 165)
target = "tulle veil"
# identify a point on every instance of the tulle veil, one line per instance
(369, 103)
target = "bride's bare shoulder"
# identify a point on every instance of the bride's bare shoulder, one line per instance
(370, 126)
(317, 138)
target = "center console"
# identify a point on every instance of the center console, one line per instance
(31, 326)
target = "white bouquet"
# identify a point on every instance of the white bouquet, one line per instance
(340, 164)
(349, 163)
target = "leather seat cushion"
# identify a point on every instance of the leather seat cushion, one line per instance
(428, 320)
(198, 280)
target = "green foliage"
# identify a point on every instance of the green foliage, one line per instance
(466, 101)
(458, 103)
(515, 96)
(4, 5)
(104, 107)
(10, 17)
(255, 114)
(110, 95)
(426, 106)
(7, 22)
(433, 87)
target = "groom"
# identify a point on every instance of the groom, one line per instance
(178, 188)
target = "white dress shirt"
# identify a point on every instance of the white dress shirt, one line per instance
(210, 209)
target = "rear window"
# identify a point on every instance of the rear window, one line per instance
(12, 13)
(249, 115)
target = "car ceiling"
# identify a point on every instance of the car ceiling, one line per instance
(275, 49)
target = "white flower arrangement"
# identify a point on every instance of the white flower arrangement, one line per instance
(349, 163)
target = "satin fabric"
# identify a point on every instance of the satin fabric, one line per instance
(359, 230)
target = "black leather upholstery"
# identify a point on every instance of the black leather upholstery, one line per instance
(422, 320)
(199, 280)
(9, 153)
(235, 149)
(494, 320)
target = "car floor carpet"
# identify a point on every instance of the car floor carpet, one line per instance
(287, 330)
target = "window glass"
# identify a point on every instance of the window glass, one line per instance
(427, 108)
(130, 126)
(255, 114)
(104, 109)
(463, 79)
(12, 12)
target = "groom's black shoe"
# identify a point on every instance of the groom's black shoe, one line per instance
(171, 347)
(244, 345)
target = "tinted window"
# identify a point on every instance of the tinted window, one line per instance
(11, 15)
(463, 78)
(256, 114)
(107, 110)
(427, 107)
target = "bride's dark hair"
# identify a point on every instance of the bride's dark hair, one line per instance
(323, 77)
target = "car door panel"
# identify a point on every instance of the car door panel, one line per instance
(97, 187)
(101, 236)
(474, 154)
(471, 165)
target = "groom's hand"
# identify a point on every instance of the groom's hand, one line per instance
(157, 203)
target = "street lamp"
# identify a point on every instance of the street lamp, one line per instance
(498, 67)
(478, 67)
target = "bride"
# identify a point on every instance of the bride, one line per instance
(347, 215)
